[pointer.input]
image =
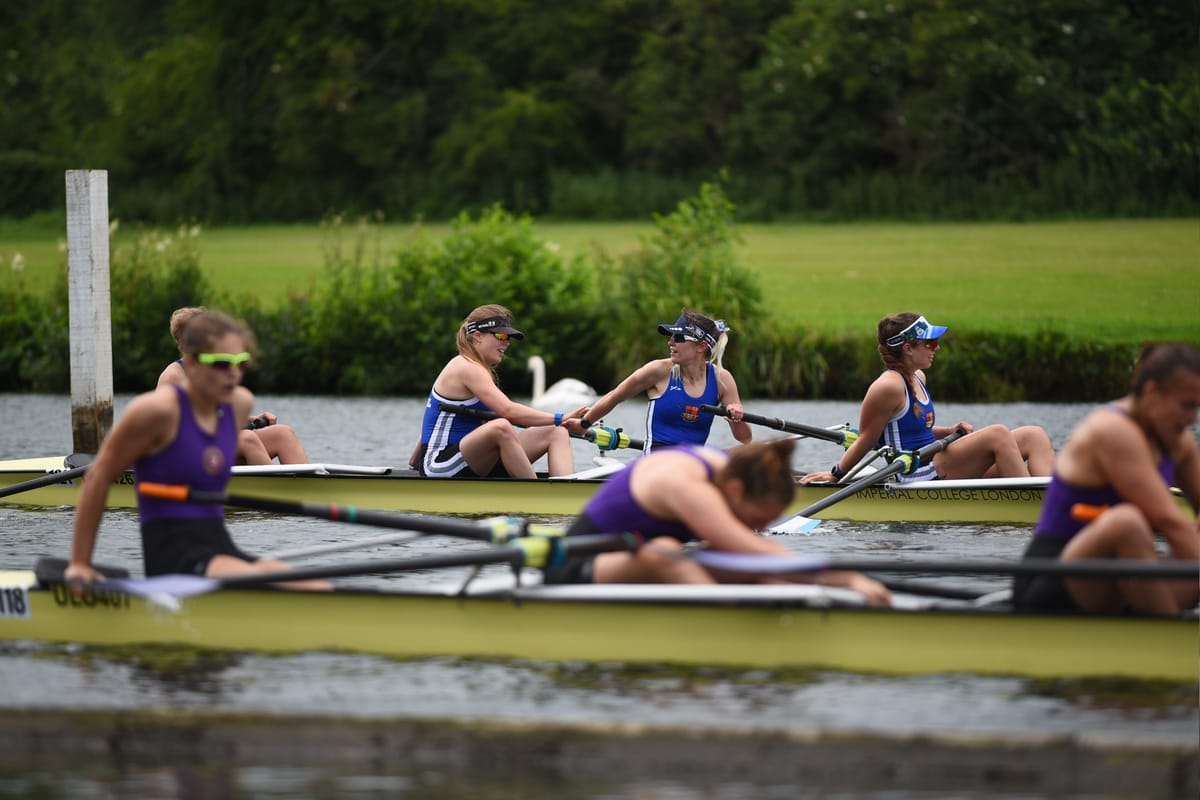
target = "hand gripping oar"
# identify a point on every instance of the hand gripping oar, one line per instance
(49, 479)
(844, 437)
(602, 436)
(496, 530)
(904, 462)
(528, 551)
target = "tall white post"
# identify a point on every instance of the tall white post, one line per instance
(90, 315)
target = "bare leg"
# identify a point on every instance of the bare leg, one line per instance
(554, 441)
(250, 449)
(492, 441)
(657, 561)
(989, 452)
(223, 566)
(1121, 532)
(281, 441)
(1035, 448)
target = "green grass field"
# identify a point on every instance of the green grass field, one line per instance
(1105, 279)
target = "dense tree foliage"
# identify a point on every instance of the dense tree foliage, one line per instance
(603, 108)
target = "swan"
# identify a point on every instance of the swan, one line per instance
(567, 394)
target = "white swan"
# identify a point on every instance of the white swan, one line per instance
(565, 395)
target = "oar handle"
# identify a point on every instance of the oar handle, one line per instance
(844, 438)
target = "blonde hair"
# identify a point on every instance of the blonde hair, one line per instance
(205, 327)
(465, 342)
(714, 328)
(180, 317)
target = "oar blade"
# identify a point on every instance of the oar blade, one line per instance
(760, 563)
(797, 523)
(160, 586)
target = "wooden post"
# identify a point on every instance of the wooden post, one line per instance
(91, 319)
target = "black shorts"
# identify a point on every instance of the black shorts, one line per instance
(185, 546)
(579, 569)
(448, 452)
(1043, 592)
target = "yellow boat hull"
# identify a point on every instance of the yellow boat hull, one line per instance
(725, 626)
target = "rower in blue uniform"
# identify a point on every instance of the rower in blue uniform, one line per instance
(690, 376)
(898, 411)
(461, 444)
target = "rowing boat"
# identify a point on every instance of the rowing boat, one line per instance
(733, 626)
(1002, 500)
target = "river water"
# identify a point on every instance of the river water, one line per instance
(104, 723)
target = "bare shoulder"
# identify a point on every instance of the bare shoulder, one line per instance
(173, 374)
(152, 409)
(888, 389)
(243, 402)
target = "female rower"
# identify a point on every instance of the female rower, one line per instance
(690, 376)
(898, 412)
(1121, 461)
(264, 439)
(183, 434)
(692, 493)
(460, 443)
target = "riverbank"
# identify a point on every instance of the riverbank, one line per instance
(329, 757)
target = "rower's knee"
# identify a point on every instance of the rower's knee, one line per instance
(503, 430)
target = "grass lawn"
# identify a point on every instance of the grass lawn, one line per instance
(1108, 279)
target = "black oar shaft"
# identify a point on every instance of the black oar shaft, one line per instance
(837, 437)
(532, 552)
(361, 516)
(899, 465)
(48, 479)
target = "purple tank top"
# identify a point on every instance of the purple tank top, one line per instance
(1056, 520)
(613, 508)
(195, 459)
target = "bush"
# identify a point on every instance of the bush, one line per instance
(689, 260)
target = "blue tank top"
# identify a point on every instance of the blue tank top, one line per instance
(912, 429)
(1056, 520)
(674, 417)
(440, 428)
(194, 458)
(613, 508)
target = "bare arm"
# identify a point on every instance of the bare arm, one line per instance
(884, 398)
(643, 379)
(1187, 470)
(728, 397)
(146, 426)
(477, 381)
(678, 488)
(1124, 459)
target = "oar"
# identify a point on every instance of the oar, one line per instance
(903, 462)
(844, 437)
(49, 479)
(340, 547)
(528, 551)
(600, 435)
(764, 564)
(496, 530)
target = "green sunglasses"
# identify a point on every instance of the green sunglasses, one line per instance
(223, 360)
